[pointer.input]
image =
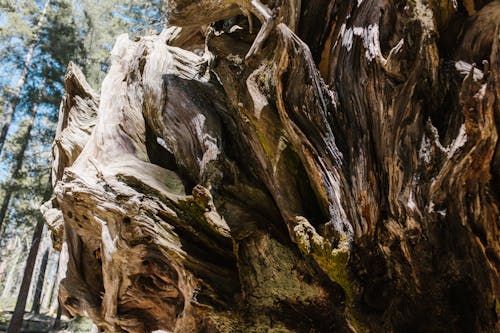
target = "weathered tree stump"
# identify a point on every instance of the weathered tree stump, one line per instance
(320, 166)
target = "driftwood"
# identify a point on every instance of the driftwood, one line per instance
(320, 166)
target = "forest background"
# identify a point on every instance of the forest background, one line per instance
(38, 39)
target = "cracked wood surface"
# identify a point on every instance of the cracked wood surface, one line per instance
(294, 167)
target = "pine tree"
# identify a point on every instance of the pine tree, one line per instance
(17, 317)
(15, 95)
(107, 19)
(58, 40)
(35, 308)
(24, 139)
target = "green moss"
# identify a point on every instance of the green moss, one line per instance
(192, 211)
(497, 307)
(355, 323)
(222, 322)
(335, 266)
(334, 261)
(265, 145)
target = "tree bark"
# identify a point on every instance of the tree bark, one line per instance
(35, 308)
(16, 321)
(320, 166)
(51, 283)
(57, 320)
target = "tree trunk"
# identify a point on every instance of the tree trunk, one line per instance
(39, 284)
(15, 96)
(18, 164)
(57, 320)
(320, 166)
(53, 303)
(51, 283)
(16, 321)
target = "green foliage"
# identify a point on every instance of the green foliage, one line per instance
(20, 16)
(62, 39)
(107, 19)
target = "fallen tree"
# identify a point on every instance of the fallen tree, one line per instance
(308, 167)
